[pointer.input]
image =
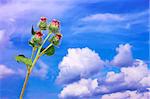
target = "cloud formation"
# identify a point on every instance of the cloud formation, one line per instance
(124, 56)
(127, 95)
(134, 76)
(12, 24)
(40, 72)
(5, 71)
(79, 63)
(80, 89)
(104, 22)
(4, 40)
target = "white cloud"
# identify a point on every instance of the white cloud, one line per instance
(16, 8)
(4, 40)
(42, 71)
(106, 17)
(79, 63)
(145, 81)
(127, 95)
(134, 77)
(110, 22)
(84, 87)
(135, 73)
(5, 71)
(124, 56)
(113, 77)
(14, 13)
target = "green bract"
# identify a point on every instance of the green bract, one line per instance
(53, 28)
(32, 31)
(54, 40)
(36, 39)
(42, 25)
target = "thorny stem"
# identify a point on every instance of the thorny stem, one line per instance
(33, 64)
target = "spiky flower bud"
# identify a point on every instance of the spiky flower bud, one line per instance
(43, 24)
(54, 26)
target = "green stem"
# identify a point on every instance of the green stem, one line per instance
(25, 84)
(33, 50)
(37, 55)
(33, 64)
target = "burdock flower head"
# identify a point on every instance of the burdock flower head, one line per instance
(36, 39)
(55, 40)
(43, 19)
(38, 34)
(58, 36)
(54, 26)
(42, 24)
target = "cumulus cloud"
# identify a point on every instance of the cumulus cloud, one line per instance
(133, 78)
(82, 88)
(124, 56)
(79, 63)
(127, 95)
(5, 71)
(145, 81)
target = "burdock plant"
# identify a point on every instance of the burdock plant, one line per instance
(53, 36)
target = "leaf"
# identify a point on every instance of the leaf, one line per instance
(32, 31)
(50, 51)
(23, 59)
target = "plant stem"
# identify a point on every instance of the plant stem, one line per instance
(25, 84)
(37, 55)
(33, 64)
(33, 50)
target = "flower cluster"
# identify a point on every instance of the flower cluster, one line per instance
(54, 36)
(52, 27)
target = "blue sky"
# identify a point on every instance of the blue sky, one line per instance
(102, 41)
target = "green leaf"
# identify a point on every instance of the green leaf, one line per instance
(32, 31)
(50, 51)
(23, 59)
